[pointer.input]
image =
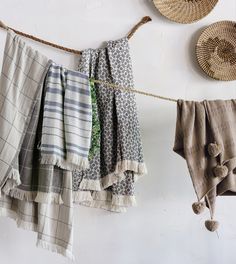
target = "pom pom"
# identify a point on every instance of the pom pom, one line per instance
(198, 207)
(211, 225)
(214, 149)
(220, 171)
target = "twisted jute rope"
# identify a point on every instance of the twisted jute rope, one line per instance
(132, 90)
(143, 21)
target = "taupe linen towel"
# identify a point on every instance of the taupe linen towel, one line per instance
(206, 139)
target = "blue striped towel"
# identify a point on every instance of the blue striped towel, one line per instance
(67, 119)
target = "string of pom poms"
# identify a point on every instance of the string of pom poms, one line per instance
(143, 21)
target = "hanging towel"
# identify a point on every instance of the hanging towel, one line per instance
(42, 199)
(67, 119)
(21, 80)
(206, 139)
(109, 183)
(53, 223)
(96, 129)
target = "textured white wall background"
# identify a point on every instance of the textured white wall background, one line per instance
(163, 228)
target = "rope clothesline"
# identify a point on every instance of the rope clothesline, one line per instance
(132, 90)
(143, 21)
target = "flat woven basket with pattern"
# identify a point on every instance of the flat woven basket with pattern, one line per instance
(185, 11)
(216, 50)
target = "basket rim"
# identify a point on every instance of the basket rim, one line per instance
(190, 21)
(200, 58)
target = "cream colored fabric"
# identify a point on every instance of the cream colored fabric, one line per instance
(21, 87)
(21, 80)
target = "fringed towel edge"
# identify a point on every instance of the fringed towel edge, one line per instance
(139, 170)
(75, 164)
(55, 248)
(12, 181)
(34, 196)
(104, 200)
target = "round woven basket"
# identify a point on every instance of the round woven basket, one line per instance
(216, 50)
(185, 11)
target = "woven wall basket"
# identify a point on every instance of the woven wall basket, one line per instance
(216, 50)
(185, 11)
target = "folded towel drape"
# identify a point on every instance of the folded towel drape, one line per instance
(21, 80)
(109, 182)
(206, 139)
(67, 119)
(38, 196)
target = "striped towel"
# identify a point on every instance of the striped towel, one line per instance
(67, 119)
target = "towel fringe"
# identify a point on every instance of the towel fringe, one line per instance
(34, 227)
(55, 248)
(82, 196)
(76, 164)
(48, 198)
(34, 196)
(118, 200)
(12, 181)
(139, 170)
(105, 205)
(19, 194)
(104, 200)
(19, 222)
(92, 185)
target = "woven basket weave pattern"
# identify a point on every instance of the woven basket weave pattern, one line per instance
(185, 11)
(216, 50)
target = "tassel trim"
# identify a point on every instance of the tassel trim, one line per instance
(75, 163)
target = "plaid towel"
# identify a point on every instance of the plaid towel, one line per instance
(67, 119)
(109, 183)
(205, 137)
(21, 78)
(43, 200)
(53, 223)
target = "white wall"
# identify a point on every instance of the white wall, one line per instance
(163, 228)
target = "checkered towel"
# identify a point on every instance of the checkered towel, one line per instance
(53, 223)
(42, 201)
(67, 119)
(20, 85)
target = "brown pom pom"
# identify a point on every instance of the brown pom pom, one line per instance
(214, 149)
(198, 207)
(220, 171)
(211, 225)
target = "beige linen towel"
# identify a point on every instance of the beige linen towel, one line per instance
(206, 139)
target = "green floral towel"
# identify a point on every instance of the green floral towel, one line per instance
(95, 141)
